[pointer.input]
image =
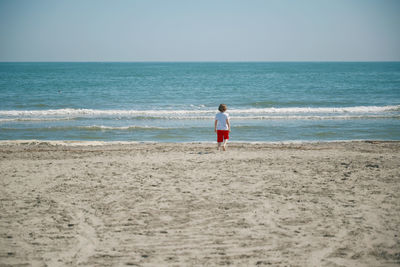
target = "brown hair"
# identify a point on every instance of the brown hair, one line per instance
(222, 107)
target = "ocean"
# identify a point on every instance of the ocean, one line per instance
(177, 102)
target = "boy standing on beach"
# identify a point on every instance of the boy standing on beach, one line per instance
(222, 126)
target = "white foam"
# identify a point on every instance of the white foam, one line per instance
(358, 109)
(96, 112)
(131, 127)
(168, 113)
(36, 119)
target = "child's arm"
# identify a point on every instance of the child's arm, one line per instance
(215, 126)
(229, 124)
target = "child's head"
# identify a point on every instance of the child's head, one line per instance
(222, 107)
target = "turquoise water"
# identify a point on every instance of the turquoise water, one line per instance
(176, 102)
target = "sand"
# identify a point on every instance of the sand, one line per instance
(94, 204)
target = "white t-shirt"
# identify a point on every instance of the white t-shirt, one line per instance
(221, 121)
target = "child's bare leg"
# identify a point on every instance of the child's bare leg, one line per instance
(224, 144)
(219, 145)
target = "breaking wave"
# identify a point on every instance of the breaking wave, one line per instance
(70, 113)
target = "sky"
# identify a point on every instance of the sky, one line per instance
(203, 30)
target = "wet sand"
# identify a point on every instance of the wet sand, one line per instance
(310, 204)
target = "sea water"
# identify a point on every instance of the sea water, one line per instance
(177, 102)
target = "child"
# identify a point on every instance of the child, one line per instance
(222, 126)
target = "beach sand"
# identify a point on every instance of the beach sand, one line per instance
(308, 204)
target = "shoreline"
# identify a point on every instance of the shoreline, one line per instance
(106, 143)
(176, 204)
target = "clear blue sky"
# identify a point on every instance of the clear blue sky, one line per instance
(203, 30)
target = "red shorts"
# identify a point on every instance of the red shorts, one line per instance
(222, 135)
